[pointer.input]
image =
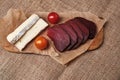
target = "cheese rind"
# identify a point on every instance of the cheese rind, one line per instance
(31, 34)
(22, 29)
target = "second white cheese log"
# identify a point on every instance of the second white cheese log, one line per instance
(21, 30)
(31, 33)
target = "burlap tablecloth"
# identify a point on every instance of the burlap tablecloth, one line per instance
(100, 64)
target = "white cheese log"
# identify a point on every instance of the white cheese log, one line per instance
(21, 30)
(31, 34)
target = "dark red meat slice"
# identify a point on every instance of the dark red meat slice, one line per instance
(70, 31)
(78, 32)
(90, 25)
(85, 31)
(59, 37)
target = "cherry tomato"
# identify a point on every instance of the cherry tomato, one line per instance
(41, 42)
(53, 17)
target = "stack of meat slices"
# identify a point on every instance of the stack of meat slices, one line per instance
(71, 34)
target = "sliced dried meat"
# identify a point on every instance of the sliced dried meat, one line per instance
(59, 37)
(90, 25)
(85, 31)
(78, 32)
(72, 34)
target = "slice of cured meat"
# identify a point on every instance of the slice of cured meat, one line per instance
(59, 37)
(90, 25)
(85, 31)
(70, 31)
(78, 32)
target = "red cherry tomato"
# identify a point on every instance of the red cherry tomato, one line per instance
(41, 42)
(53, 17)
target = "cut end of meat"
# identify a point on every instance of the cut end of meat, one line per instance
(59, 37)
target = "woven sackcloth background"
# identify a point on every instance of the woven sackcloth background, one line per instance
(100, 64)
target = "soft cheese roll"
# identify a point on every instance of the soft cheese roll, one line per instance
(22, 29)
(31, 34)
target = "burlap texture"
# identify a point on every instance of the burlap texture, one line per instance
(100, 64)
